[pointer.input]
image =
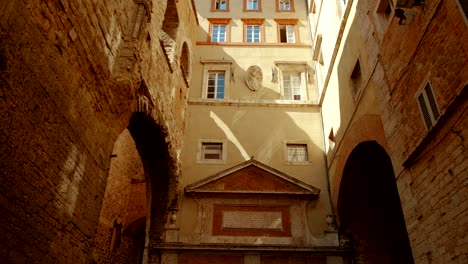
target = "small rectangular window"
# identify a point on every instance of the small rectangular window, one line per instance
(285, 5)
(252, 5)
(297, 152)
(218, 33)
(292, 86)
(428, 106)
(220, 5)
(216, 85)
(212, 151)
(252, 33)
(287, 34)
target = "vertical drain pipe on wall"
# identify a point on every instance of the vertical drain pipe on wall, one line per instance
(327, 175)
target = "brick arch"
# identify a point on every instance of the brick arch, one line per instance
(369, 207)
(168, 33)
(171, 19)
(369, 127)
(145, 175)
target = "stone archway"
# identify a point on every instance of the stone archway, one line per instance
(141, 185)
(369, 207)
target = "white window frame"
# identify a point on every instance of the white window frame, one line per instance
(428, 106)
(250, 3)
(300, 68)
(201, 159)
(218, 36)
(290, 32)
(290, 89)
(287, 143)
(282, 5)
(253, 33)
(216, 66)
(219, 3)
(217, 76)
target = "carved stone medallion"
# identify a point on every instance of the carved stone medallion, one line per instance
(254, 78)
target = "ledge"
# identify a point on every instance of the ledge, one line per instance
(250, 45)
(259, 248)
(252, 194)
(242, 102)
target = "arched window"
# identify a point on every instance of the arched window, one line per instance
(185, 61)
(168, 33)
(116, 236)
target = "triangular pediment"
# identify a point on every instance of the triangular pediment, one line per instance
(252, 178)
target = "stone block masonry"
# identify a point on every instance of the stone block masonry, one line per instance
(63, 104)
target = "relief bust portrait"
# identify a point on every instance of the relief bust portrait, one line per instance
(254, 78)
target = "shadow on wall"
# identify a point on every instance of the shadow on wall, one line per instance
(140, 187)
(252, 131)
(369, 207)
(60, 114)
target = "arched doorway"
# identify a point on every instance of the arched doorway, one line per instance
(369, 207)
(140, 185)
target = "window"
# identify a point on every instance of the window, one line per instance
(219, 29)
(212, 151)
(216, 84)
(287, 30)
(297, 152)
(168, 33)
(216, 76)
(428, 106)
(292, 86)
(284, 6)
(219, 5)
(318, 56)
(253, 30)
(253, 33)
(252, 5)
(356, 77)
(293, 76)
(287, 34)
(218, 33)
(185, 62)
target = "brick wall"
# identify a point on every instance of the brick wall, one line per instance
(433, 185)
(62, 105)
(124, 201)
(430, 167)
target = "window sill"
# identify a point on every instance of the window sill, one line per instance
(211, 162)
(298, 163)
(260, 44)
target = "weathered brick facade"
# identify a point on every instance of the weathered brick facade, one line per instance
(70, 78)
(430, 166)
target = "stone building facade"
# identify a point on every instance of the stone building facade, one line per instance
(139, 131)
(393, 82)
(254, 177)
